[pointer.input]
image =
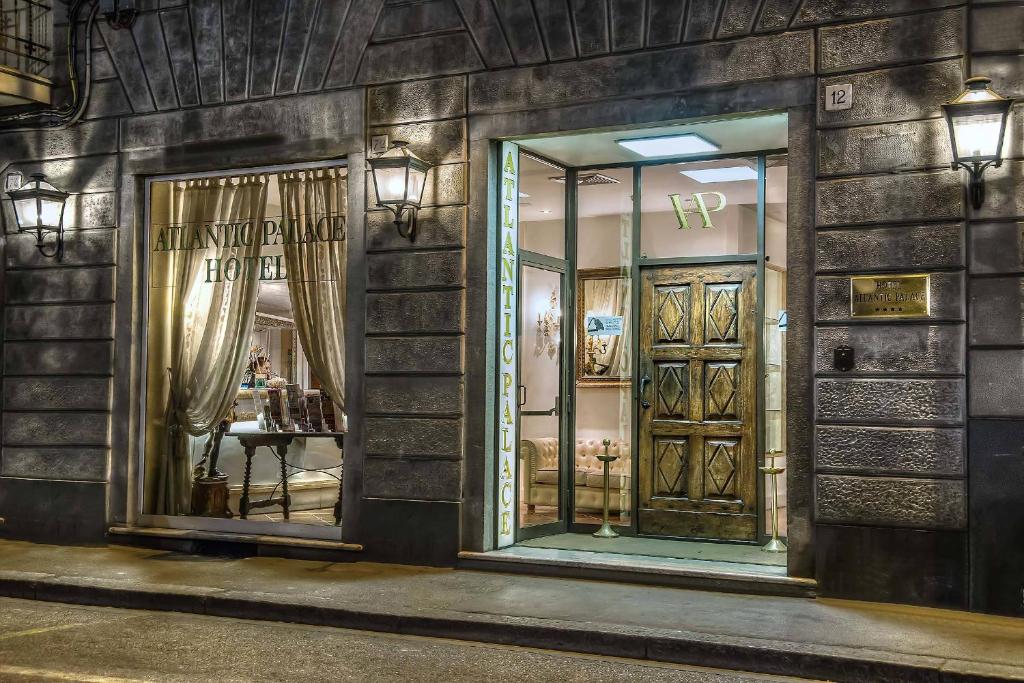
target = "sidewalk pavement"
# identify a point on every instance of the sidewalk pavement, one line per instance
(827, 639)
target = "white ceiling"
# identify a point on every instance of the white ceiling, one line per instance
(657, 183)
(734, 135)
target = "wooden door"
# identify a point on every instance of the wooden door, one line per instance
(698, 407)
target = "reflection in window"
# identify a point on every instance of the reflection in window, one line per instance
(540, 367)
(775, 323)
(541, 207)
(245, 335)
(604, 354)
(700, 208)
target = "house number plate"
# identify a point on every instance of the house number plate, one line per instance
(839, 96)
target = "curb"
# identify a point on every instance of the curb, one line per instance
(676, 647)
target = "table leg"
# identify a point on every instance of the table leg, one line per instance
(341, 477)
(282, 452)
(243, 504)
(337, 505)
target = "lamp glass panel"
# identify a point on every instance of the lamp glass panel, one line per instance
(27, 213)
(417, 180)
(51, 212)
(390, 184)
(977, 136)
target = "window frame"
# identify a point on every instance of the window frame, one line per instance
(241, 527)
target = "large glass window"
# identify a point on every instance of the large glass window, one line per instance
(775, 324)
(675, 313)
(541, 207)
(245, 368)
(699, 208)
(604, 343)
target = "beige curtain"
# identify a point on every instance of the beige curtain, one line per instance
(210, 321)
(316, 270)
(610, 296)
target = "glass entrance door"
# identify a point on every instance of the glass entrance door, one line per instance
(541, 497)
(542, 401)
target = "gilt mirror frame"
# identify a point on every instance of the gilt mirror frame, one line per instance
(583, 379)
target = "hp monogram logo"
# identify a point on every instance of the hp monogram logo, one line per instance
(697, 204)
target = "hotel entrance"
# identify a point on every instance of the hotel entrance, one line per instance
(650, 308)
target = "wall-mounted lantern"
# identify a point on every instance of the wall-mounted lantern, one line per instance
(39, 208)
(977, 121)
(399, 177)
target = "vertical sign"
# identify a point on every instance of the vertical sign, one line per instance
(508, 257)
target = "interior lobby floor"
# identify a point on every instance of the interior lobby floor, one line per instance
(715, 566)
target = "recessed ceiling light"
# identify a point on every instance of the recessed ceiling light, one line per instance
(669, 145)
(545, 210)
(523, 195)
(726, 174)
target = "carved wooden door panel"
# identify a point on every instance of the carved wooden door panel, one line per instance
(698, 407)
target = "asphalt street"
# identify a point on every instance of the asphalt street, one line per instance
(42, 641)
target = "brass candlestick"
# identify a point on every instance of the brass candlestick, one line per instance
(775, 545)
(606, 530)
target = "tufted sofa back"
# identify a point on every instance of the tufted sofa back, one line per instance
(542, 454)
(587, 451)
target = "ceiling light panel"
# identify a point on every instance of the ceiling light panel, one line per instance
(728, 174)
(670, 145)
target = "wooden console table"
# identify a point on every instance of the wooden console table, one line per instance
(279, 441)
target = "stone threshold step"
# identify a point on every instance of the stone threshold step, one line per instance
(757, 655)
(647, 570)
(231, 537)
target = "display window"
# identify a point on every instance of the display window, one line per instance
(244, 416)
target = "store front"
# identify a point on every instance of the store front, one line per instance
(693, 307)
(649, 306)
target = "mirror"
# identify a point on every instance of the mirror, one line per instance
(602, 326)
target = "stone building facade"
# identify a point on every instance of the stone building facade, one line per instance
(897, 491)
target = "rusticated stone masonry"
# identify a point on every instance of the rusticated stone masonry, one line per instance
(415, 324)
(890, 435)
(197, 83)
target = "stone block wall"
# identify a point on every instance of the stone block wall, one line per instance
(58, 346)
(415, 324)
(207, 84)
(890, 435)
(995, 332)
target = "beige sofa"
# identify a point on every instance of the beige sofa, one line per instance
(539, 462)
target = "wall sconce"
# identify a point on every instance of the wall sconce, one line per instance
(399, 177)
(593, 347)
(977, 120)
(39, 208)
(549, 325)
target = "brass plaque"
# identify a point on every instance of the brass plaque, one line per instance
(889, 296)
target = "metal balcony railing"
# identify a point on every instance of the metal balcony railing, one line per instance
(26, 35)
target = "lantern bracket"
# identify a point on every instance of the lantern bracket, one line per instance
(409, 232)
(976, 180)
(57, 248)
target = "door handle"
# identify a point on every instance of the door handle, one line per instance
(644, 381)
(522, 395)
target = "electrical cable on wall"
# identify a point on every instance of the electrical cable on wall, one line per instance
(67, 115)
